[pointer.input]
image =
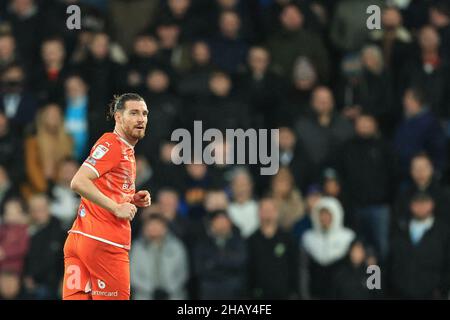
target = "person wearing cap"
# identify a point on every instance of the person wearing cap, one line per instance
(419, 264)
(220, 260)
(158, 262)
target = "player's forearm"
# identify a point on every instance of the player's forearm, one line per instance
(87, 189)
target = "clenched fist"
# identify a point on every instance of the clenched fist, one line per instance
(125, 211)
(142, 199)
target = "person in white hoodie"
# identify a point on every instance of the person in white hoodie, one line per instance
(324, 248)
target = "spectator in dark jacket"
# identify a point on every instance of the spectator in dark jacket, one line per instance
(220, 260)
(429, 70)
(350, 281)
(166, 108)
(8, 54)
(261, 88)
(423, 180)
(273, 258)
(44, 261)
(8, 189)
(48, 76)
(228, 49)
(293, 41)
(16, 102)
(439, 14)
(11, 152)
(324, 131)
(420, 254)
(419, 131)
(367, 167)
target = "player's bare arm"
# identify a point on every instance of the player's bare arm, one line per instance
(82, 183)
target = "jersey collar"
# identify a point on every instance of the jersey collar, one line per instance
(125, 141)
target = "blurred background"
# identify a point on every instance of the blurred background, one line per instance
(364, 130)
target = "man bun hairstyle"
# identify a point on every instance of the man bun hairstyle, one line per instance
(118, 103)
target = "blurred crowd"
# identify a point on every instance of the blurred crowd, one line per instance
(363, 118)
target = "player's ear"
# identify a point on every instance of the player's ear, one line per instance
(117, 116)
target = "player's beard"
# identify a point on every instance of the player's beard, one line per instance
(136, 133)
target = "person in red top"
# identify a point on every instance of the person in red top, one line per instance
(96, 260)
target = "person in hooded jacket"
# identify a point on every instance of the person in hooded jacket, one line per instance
(324, 248)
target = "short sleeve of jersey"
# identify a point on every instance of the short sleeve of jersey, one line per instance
(104, 156)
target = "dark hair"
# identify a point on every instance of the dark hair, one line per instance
(418, 94)
(118, 103)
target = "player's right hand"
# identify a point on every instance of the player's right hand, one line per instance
(125, 211)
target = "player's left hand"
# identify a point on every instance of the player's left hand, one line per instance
(142, 199)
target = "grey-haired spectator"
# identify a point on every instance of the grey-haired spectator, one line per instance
(159, 263)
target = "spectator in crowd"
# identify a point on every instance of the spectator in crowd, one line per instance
(14, 239)
(288, 199)
(184, 14)
(25, 19)
(174, 51)
(11, 152)
(143, 58)
(168, 174)
(439, 15)
(195, 82)
(129, 18)
(165, 108)
(8, 54)
(367, 167)
(198, 181)
(312, 197)
(369, 90)
(228, 49)
(261, 88)
(10, 286)
(419, 131)
(293, 40)
(44, 262)
(301, 85)
(16, 102)
(293, 156)
(220, 109)
(429, 70)
(348, 29)
(76, 118)
(45, 148)
(273, 258)
(423, 180)
(168, 203)
(48, 76)
(325, 248)
(350, 281)
(324, 131)
(331, 186)
(419, 259)
(220, 260)
(159, 263)
(104, 78)
(7, 189)
(243, 210)
(63, 201)
(395, 42)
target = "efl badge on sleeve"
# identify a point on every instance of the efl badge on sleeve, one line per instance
(99, 152)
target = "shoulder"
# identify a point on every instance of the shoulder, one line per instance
(108, 141)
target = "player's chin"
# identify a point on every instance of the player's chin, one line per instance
(138, 134)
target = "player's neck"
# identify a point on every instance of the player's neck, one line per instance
(125, 138)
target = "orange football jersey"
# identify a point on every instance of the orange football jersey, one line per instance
(112, 160)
